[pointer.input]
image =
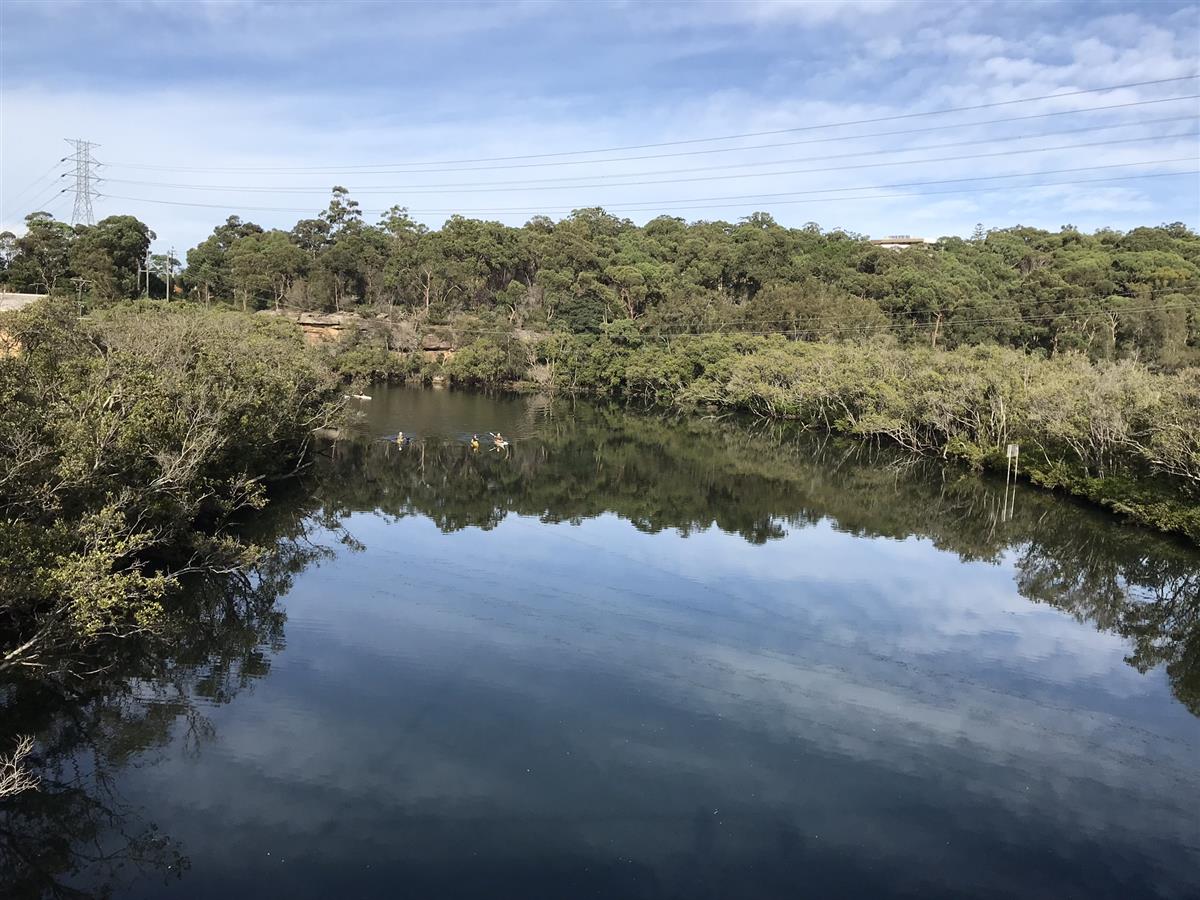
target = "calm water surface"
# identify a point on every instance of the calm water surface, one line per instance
(642, 658)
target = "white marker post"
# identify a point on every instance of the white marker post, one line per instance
(1012, 462)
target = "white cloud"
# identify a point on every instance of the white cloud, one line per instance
(979, 45)
(791, 653)
(803, 82)
(762, 12)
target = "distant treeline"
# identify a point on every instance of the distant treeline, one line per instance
(1110, 294)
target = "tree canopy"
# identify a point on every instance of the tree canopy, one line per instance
(1109, 294)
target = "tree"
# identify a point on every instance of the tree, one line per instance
(8, 252)
(108, 255)
(812, 311)
(263, 266)
(208, 266)
(342, 212)
(283, 263)
(41, 256)
(247, 271)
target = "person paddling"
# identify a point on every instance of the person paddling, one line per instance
(474, 442)
(401, 439)
(499, 441)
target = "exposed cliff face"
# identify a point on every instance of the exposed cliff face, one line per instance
(319, 328)
(323, 328)
(437, 348)
(328, 328)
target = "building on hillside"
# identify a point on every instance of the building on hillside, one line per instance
(900, 242)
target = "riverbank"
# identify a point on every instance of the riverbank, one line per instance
(1113, 433)
(134, 439)
(625, 587)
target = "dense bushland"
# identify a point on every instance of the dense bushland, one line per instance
(1060, 341)
(1112, 432)
(129, 442)
(1110, 295)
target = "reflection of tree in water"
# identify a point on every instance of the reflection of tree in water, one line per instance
(760, 480)
(1146, 589)
(688, 475)
(76, 829)
(76, 825)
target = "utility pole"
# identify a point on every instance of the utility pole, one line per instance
(144, 269)
(85, 175)
(164, 266)
(79, 283)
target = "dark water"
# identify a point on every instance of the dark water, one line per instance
(640, 658)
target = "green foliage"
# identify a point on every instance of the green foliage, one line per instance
(208, 263)
(107, 255)
(127, 443)
(40, 260)
(812, 311)
(1107, 295)
(263, 267)
(376, 364)
(1115, 433)
(486, 361)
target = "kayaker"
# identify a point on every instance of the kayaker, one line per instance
(474, 442)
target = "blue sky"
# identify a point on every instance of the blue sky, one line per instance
(179, 94)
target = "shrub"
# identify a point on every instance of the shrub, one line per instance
(376, 364)
(485, 361)
(127, 445)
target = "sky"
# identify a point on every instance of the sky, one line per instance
(206, 109)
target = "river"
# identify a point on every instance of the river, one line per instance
(637, 656)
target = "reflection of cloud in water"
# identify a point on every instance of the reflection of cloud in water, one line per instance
(595, 693)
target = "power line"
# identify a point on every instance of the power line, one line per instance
(56, 206)
(537, 186)
(708, 202)
(49, 199)
(85, 173)
(324, 170)
(774, 162)
(36, 184)
(643, 206)
(728, 137)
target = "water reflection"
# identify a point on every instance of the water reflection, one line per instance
(487, 697)
(577, 461)
(77, 836)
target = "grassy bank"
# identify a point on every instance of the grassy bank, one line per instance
(129, 442)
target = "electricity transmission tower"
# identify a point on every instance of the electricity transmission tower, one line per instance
(85, 175)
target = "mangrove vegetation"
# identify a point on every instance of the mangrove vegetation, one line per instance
(130, 444)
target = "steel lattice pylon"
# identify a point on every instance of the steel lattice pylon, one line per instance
(85, 175)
